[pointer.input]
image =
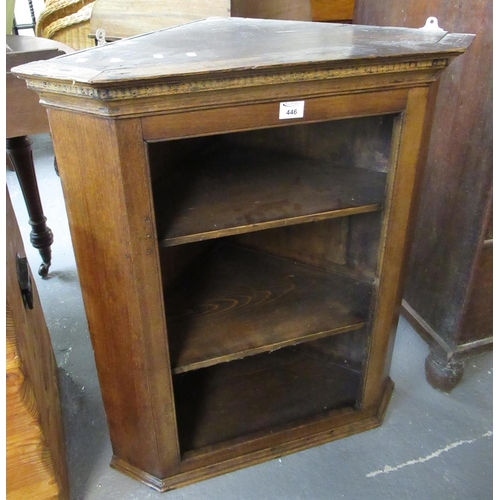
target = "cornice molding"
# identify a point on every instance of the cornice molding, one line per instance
(205, 84)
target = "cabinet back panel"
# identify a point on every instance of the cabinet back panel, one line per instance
(356, 142)
(347, 245)
(321, 244)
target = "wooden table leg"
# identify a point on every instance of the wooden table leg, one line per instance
(443, 372)
(19, 151)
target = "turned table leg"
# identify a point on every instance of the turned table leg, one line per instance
(19, 151)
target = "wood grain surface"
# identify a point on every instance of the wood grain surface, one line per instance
(239, 302)
(298, 10)
(245, 190)
(35, 450)
(235, 399)
(126, 319)
(332, 10)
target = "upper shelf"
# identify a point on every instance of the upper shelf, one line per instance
(243, 190)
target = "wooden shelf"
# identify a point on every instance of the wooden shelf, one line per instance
(244, 190)
(261, 393)
(241, 303)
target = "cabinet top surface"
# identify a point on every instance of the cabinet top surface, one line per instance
(224, 45)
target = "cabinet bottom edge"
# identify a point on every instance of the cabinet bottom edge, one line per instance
(365, 423)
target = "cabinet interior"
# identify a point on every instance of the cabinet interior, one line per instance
(269, 243)
(266, 392)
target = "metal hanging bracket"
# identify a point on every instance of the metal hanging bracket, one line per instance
(100, 36)
(431, 24)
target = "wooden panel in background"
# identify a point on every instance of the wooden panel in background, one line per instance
(489, 228)
(443, 297)
(478, 314)
(332, 10)
(121, 18)
(458, 172)
(36, 460)
(297, 10)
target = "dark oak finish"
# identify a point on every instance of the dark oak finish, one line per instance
(448, 293)
(245, 190)
(263, 393)
(261, 46)
(479, 309)
(283, 320)
(240, 302)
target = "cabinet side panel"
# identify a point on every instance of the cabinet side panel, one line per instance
(409, 141)
(107, 191)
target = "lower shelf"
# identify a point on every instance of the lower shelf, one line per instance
(239, 302)
(262, 393)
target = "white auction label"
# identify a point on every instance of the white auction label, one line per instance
(293, 109)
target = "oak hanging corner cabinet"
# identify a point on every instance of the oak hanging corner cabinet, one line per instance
(239, 194)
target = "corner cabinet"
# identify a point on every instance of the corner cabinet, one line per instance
(239, 194)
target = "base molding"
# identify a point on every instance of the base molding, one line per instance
(365, 422)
